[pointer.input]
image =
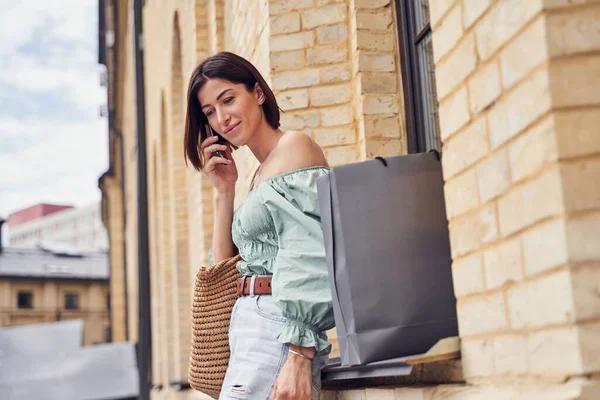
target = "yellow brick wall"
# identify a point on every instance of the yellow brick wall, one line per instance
(519, 92)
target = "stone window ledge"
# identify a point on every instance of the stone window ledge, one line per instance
(395, 373)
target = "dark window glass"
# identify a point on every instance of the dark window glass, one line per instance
(71, 301)
(25, 300)
(418, 75)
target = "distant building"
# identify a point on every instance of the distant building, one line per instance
(47, 285)
(78, 228)
(33, 213)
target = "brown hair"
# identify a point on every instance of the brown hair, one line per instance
(232, 68)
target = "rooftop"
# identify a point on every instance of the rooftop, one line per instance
(53, 263)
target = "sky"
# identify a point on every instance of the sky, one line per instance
(53, 141)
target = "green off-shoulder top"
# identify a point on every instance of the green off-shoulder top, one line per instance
(277, 231)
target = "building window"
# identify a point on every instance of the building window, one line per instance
(418, 75)
(25, 300)
(71, 301)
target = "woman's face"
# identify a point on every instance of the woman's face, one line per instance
(231, 110)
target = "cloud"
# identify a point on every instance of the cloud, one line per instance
(53, 143)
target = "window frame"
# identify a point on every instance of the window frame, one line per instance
(71, 295)
(28, 293)
(411, 79)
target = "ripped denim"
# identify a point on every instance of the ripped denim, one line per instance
(256, 355)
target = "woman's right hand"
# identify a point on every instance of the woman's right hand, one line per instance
(222, 171)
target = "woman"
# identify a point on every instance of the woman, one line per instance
(277, 338)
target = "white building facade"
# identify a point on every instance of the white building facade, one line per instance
(75, 228)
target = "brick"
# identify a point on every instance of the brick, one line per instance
(472, 10)
(481, 314)
(582, 237)
(554, 352)
(292, 99)
(529, 203)
(454, 113)
(359, 4)
(383, 148)
(334, 116)
(447, 34)
(335, 74)
(380, 394)
(330, 95)
(375, 41)
(461, 194)
(327, 137)
(467, 275)
(477, 357)
(589, 335)
(380, 104)
(376, 20)
(324, 16)
(326, 55)
(341, 155)
(349, 395)
(586, 286)
(577, 132)
(484, 87)
(456, 67)
(438, 9)
(332, 33)
(502, 22)
(299, 121)
(510, 354)
(517, 298)
(545, 247)
(370, 61)
(465, 148)
(516, 111)
(288, 60)
(575, 82)
(382, 125)
(532, 150)
(470, 232)
(378, 82)
(285, 23)
(292, 41)
(551, 300)
(503, 264)
(493, 176)
(521, 56)
(579, 192)
(549, 4)
(406, 393)
(284, 6)
(574, 32)
(295, 79)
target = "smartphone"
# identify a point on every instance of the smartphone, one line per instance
(217, 153)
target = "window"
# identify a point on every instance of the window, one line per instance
(25, 300)
(71, 301)
(418, 75)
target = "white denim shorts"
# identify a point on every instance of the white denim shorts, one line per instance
(256, 355)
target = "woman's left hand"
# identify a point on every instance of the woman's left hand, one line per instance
(295, 378)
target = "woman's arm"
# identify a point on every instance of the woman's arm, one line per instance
(223, 246)
(223, 174)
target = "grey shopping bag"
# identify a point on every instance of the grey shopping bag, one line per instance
(388, 252)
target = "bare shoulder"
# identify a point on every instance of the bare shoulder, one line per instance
(297, 150)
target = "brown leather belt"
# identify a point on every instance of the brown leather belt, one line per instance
(262, 285)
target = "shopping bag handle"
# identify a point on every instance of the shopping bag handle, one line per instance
(434, 151)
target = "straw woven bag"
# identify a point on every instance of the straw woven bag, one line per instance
(214, 297)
